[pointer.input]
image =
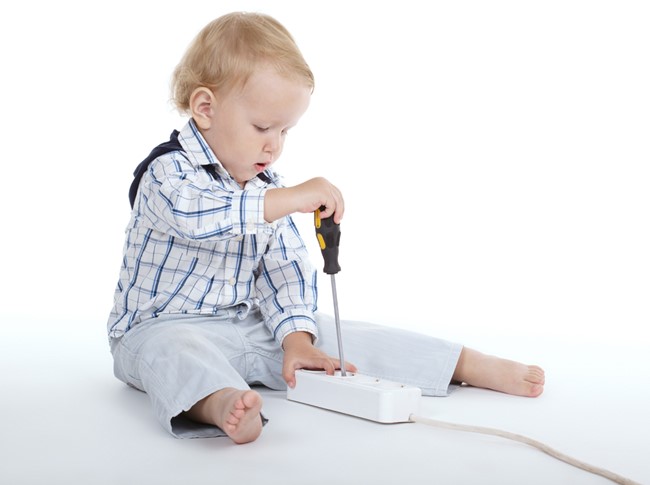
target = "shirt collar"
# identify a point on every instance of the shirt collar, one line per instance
(199, 153)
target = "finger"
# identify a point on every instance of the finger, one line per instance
(289, 375)
(338, 215)
(329, 367)
(339, 208)
(327, 209)
(348, 366)
(333, 210)
(333, 205)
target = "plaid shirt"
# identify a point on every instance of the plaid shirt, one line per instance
(197, 244)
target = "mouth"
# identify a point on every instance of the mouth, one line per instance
(260, 167)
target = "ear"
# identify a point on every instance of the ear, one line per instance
(202, 106)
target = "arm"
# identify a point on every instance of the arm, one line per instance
(305, 197)
(181, 199)
(287, 287)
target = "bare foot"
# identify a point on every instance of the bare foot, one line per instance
(487, 371)
(235, 411)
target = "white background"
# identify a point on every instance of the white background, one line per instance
(494, 157)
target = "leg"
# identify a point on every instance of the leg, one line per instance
(487, 371)
(426, 362)
(180, 361)
(393, 354)
(237, 412)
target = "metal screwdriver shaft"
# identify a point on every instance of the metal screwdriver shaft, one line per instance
(339, 338)
(328, 234)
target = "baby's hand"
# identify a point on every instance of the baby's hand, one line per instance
(319, 192)
(299, 353)
(305, 197)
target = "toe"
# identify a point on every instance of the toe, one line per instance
(535, 390)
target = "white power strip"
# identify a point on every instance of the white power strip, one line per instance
(357, 395)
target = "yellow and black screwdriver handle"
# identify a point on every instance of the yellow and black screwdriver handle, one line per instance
(328, 234)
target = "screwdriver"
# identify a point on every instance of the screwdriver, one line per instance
(328, 234)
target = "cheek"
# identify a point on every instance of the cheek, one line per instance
(281, 145)
(252, 139)
(243, 142)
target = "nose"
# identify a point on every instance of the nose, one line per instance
(273, 145)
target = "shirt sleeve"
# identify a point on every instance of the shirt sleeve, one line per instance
(286, 284)
(179, 198)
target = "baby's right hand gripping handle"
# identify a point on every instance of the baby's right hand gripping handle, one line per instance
(328, 234)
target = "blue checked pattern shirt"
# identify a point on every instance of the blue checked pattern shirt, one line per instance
(200, 245)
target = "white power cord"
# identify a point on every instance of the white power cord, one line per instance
(523, 439)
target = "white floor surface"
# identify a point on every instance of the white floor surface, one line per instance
(68, 420)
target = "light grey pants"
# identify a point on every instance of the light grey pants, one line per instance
(179, 359)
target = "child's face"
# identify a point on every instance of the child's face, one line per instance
(249, 125)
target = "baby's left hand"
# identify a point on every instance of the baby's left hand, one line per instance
(300, 353)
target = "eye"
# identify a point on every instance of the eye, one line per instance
(261, 129)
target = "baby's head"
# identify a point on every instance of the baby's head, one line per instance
(229, 49)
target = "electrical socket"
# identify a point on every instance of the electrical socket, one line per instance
(358, 395)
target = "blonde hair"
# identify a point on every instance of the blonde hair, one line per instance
(229, 49)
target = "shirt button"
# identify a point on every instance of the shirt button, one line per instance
(232, 281)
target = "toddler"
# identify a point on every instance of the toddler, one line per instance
(216, 292)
